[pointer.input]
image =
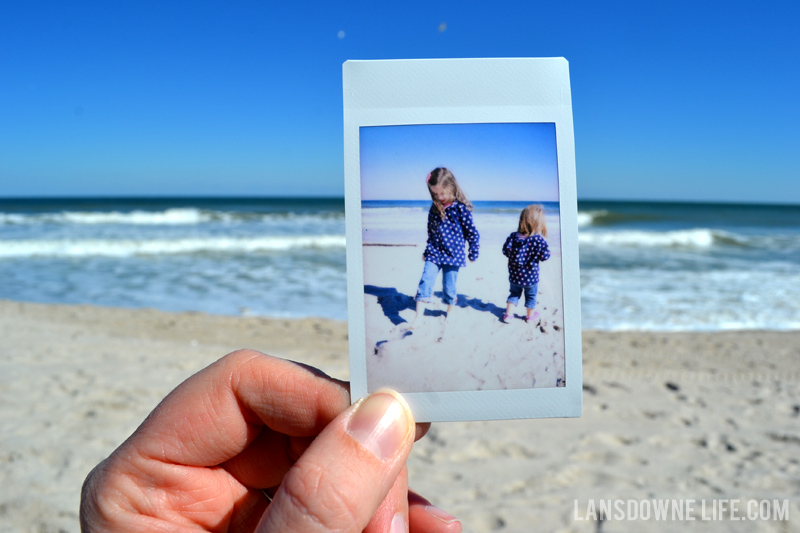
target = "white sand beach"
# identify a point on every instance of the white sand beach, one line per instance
(666, 415)
(477, 351)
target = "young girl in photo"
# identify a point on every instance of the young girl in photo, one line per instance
(525, 249)
(450, 228)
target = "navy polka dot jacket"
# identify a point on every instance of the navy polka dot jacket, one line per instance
(446, 238)
(524, 255)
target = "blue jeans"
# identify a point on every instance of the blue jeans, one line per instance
(429, 273)
(530, 294)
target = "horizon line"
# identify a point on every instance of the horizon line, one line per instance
(342, 198)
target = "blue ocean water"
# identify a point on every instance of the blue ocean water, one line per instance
(658, 266)
(681, 266)
(276, 257)
(483, 207)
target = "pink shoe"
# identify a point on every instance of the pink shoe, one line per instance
(505, 319)
(533, 318)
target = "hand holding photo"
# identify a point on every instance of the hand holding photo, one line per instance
(462, 237)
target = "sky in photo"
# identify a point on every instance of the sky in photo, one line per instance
(489, 161)
(672, 100)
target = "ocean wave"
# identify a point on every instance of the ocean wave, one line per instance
(128, 247)
(697, 326)
(168, 217)
(694, 238)
(698, 239)
(763, 297)
(605, 217)
(172, 216)
(587, 218)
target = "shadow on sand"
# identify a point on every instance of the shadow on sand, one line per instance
(393, 302)
(480, 305)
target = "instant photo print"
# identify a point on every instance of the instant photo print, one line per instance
(462, 240)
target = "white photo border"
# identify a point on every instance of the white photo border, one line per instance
(490, 90)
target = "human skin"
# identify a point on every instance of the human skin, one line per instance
(443, 194)
(249, 422)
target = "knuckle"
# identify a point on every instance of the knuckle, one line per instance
(319, 499)
(243, 355)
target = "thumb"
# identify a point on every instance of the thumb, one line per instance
(342, 478)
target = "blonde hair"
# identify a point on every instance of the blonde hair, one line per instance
(532, 220)
(442, 176)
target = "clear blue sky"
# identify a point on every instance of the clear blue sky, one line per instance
(489, 161)
(694, 100)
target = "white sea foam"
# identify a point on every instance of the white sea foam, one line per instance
(166, 217)
(13, 218)
(694, 238)
(129, 247)
(767, 297)
(587, 218)
(169, 217)
(174, 216)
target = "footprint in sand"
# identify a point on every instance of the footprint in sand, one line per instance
(401, 331)
(442, 333)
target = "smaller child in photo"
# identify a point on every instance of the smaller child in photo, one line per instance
(525, 249)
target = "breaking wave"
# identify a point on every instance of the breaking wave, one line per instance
(130, 247)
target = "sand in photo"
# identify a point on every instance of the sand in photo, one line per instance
(473, 349)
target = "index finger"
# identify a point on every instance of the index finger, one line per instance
(216, 413)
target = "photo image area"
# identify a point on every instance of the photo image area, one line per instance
(501, 168)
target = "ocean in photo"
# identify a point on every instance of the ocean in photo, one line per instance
(399, 221)
(644, 266)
